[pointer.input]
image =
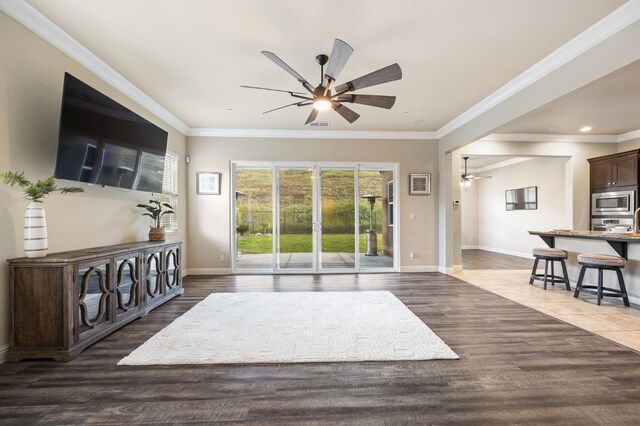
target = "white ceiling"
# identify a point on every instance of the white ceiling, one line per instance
(191, 56)
(610, 105)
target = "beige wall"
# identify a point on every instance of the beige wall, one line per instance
(469, 216)
(506, 231)
(31, 77)
(209, 216)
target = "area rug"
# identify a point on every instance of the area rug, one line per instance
(295, 327)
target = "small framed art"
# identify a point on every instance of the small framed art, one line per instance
(208, 183)
(419, 183)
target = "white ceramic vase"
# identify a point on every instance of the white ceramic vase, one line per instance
(36, 243)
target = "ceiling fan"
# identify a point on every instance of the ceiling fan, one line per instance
(325, 96)
(466, 178)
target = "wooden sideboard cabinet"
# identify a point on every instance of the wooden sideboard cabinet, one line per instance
(64, 302)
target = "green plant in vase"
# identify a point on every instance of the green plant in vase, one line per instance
(156, 210)
(36, 242)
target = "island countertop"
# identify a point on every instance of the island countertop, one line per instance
(594, 235)
(618, 241)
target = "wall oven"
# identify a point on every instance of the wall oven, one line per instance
(621, 203)
(607, 224)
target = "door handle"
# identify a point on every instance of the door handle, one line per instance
(316, 227)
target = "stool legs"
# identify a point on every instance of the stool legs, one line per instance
(600, 273)
(600, 288)
(579, 283)
(623, 288)
(566, 276)
(546, 270)
(535, 269)
(550, 277)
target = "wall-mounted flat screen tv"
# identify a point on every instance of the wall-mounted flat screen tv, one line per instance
(101, 142)
(522, 198)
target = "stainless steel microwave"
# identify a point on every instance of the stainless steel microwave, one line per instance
(613, 203)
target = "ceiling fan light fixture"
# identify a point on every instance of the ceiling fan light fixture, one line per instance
(322, 104)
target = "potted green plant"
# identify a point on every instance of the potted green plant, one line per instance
(36, 243)
(156, 210)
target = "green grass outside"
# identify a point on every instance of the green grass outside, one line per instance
(331, 243)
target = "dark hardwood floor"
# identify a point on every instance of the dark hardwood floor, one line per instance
(517, 366)
(481, 259)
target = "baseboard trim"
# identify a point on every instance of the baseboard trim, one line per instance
(3, 353)
(410, 269)
(470, 247)
(501, 251)
(207, 271)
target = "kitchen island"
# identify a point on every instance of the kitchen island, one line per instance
(617, 241)
(579, 242)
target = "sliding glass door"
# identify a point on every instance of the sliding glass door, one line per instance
(337, 218)
(314, 217)
(295, 233)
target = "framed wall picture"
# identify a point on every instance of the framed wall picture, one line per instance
(419, 183)
(208, 183)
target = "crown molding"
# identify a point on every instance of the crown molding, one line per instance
(543, 137)
(31, 18)
(608, 26)
(309, 134)
(629, 135)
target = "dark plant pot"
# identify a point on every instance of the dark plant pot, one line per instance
(157, 234)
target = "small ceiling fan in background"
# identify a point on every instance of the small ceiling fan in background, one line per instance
(325, 96)
(466, 178)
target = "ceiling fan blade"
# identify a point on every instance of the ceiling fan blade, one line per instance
(346, 113)
(272, 90)
(288, 69)
(481, 177)
(312, 116)
(383, 75)
(379, 101)
(340, 54)
(285, 106)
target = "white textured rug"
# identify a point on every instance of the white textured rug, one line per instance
(228, 328)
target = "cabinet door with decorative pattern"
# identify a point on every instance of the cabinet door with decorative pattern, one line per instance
(127, 284)
(153, 272)
(93, 284)
(173, 272)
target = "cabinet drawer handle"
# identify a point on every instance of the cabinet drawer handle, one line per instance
(608, 183)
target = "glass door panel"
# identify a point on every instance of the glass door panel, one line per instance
(295, 236)
(337, 216)
(376, 218)
(254, 219)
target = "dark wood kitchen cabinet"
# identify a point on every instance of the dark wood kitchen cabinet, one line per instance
(614, 171)
(64, 302)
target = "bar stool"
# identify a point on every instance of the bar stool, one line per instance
(550, 255)
(602, 262)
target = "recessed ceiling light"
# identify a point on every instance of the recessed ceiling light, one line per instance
(405, 113)
(585, 129)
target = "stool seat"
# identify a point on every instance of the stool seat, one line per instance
(603, 260)
(550, 252)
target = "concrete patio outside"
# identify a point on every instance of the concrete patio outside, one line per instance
(305, 261)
